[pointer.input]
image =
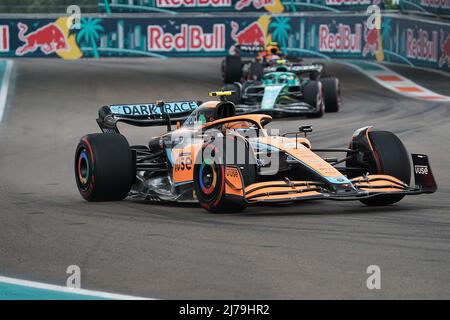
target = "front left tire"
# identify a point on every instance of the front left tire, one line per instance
(313, 95)
(391, 158)
(210, 175)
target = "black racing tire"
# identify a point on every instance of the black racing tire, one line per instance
(209, 179)
(331, 94)
(256, 71)
(236, 97)
(231, 69)
(104, 167)
(391, 158)
(313, 95)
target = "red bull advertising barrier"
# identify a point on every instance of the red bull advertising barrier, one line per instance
(401, 39)
(235, 6)
(430, 7)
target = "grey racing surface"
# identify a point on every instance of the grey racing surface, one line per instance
(307, 251)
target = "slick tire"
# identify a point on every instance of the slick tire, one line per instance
(331, 94)
(256, 71)
(391, 158)
(236, 96)
(231, 69)
(313, 95)
(210, 180)
(104, 167)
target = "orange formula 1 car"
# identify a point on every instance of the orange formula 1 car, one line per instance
(227, 162)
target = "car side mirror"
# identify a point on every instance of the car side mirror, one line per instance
(305, 129)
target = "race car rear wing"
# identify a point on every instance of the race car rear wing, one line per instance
(295, 68)
(144, 114)
(250, 48)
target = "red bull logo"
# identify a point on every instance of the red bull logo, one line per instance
(258, 4)
(253, 34)
(4, 38)
(371, 40)
(351, 2)
(445, 51)
(48, 38)
(191, 38)
(444, 4)
(193, 3)
(342, 41)
(348, 2)
(422, 48)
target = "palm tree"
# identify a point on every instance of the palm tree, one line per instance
(90, 29)
(386, 33)
(281, 28)
(107, 7)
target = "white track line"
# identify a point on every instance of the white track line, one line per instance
(81, 292)
(4, 87)
(399, 84)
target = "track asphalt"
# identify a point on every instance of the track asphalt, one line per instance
(312, 250)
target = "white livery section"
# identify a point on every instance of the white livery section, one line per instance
(149, 109)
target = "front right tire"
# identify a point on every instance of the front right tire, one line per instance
(391, 158)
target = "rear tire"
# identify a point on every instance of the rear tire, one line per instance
(312, 93)
(332, 94)
(256, 71)
(231, 69)
(392, 159)
(104, 167)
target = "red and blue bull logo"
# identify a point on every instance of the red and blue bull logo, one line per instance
(445, 50)
(257, 4)
(351, 2)
(193, 3)
(371, 41)
(4, 38)
(253, 34)
(49, 39)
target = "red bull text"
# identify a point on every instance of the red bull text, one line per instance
(423, 47)
(342, 41)
(190, 38)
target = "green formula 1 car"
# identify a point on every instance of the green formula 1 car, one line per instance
(287, 90)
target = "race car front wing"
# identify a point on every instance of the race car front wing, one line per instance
(359, 188)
